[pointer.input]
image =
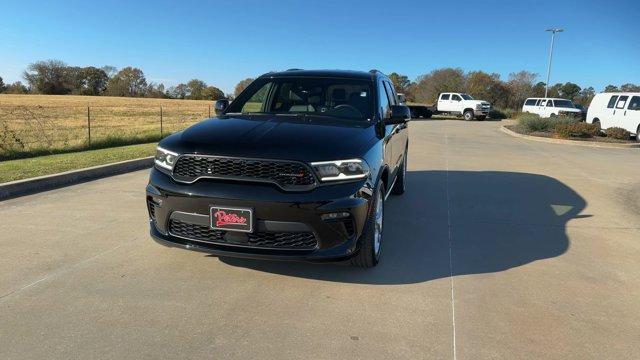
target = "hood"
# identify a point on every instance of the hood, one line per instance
(573, 110)
(272, 137)
(478, 102)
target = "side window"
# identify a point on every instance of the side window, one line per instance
(549, 103)
(538, 102)
(622, 101)
(393, 98)
(455, 97)
(444, 97)
(634, 104)
(256, 102)
(530, 102)
(612, 101)
(383, 101)
(543, 102)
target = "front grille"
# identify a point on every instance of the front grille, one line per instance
(286, 174)
(275, 240)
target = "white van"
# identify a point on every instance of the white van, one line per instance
(616, 109)
(550, 107)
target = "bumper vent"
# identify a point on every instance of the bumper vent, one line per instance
(264, 240)
(151, 206)
(286, 174)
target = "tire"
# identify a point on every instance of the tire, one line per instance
(596, 122)
(552, 116)
(400, 184)
(481, 118)
(369, 253)
(638, 134)
(428, 115)
(414, 114)
(468, 115)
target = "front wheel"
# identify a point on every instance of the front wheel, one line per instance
(481, 118)
(638, 134)
(468, 115)
(371, 241)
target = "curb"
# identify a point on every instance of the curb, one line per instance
(570, 142)
(49, 182)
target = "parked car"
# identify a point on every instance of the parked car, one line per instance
(455, 104)
(583, 110)
(550, 107)
(297, 167)
(621, 109)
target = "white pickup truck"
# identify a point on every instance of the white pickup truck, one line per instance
(452, 103)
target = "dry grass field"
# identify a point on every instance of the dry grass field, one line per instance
(40, 124)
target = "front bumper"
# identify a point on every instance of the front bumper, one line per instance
(274, 211)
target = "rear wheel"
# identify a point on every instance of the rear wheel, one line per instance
(638, 134)
(481, 118)
(596, 122)
(468, 115)
(371, 241)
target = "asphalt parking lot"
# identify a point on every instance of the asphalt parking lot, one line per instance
(501, 248)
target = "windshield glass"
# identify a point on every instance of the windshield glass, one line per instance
(466, 96)
(340, 98)
(564, 104)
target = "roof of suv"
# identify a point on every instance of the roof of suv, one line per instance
(351, 74)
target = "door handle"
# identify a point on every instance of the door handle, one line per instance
(625, 113)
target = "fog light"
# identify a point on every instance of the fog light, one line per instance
(335, 216)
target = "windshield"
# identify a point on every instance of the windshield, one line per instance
(340, 98)
(564, 104)
(466, 96)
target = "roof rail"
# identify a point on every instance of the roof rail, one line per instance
(373, 71)
(293, 69)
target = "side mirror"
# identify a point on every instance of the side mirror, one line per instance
(399, 115)
(221, 106)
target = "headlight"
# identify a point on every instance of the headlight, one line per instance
(341, 169)
(165, 158)
(479, 107)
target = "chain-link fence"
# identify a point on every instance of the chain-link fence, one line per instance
(29, 129)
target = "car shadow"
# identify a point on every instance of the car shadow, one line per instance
(487, 221)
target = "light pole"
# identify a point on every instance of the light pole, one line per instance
(553, 35)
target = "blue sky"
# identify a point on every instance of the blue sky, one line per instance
(223, 42)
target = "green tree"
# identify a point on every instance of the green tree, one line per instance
(179, 91)
(129, 81)
(213, 93)
(196, 89)
(2, 86)
(94, 80)
(48, 77)
(241, 86)
(570, 90)
(611, 88)
(585, 96)
(630, 88)
(400, 82)
(16, 88)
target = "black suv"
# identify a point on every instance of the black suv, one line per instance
(297, 167)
